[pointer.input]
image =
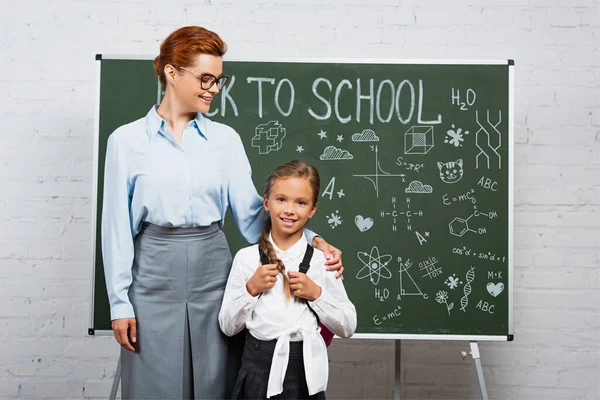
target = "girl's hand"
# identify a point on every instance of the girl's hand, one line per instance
(264, 278)
(302, 286)
(333, 256)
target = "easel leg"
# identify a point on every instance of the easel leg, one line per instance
(115, 385)
(476, 358)
(398, 369)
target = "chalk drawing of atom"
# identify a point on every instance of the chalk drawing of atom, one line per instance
(374, 266)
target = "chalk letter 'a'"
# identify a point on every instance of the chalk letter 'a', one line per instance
(329, 189)
(421, 238)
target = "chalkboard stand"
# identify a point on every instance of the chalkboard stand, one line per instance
(473, 353)
(115, 385)
(398, 369)
(476, 357)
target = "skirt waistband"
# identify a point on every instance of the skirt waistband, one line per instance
(268, 346)
(169, 231)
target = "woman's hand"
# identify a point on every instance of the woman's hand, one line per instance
(264, 278)
(125, 331)
(333, 256)
(304, 287)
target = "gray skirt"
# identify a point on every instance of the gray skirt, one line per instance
(179, 277)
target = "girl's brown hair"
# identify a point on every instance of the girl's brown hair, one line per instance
(182, 46)
(292, 169)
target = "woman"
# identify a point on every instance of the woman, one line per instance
(169, 178)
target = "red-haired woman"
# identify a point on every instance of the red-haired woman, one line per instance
(169, 178)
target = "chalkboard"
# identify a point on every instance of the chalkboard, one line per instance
(415, 161)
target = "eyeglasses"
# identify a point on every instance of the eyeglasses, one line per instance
(207, 80)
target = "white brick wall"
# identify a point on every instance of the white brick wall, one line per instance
(46, 112)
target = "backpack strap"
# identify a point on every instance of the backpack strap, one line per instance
(326, 334)
(263, 257)
(263, 261)
(305, 264)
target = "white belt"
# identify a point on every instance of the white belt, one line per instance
(316, 366)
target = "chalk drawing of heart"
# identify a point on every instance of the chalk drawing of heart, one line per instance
(495, 288)
(363, 224)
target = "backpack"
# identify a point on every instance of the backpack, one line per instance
(304, 266)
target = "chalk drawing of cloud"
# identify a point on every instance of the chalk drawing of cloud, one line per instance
(367, 135)
(333, 153)
(418, 187)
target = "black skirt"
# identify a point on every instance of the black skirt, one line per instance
(253, 378)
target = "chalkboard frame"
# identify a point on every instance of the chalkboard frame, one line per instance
(510, 63)
(95, 195)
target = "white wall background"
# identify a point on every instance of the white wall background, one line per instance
(47, 100)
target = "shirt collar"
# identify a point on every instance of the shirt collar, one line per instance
(298, 249)
(155, 124)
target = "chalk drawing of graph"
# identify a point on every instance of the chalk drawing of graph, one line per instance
(488, 139)
(404, 271)
(379, 173)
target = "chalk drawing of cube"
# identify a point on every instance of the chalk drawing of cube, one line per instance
(418, 140)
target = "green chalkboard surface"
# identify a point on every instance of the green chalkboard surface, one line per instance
(415, 161)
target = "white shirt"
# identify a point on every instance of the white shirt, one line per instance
(270, 316)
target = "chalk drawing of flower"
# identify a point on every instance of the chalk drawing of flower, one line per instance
(442, 298)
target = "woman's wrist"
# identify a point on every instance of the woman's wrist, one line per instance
(317, 240)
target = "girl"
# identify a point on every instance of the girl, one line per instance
(169, 178)
(284, 353)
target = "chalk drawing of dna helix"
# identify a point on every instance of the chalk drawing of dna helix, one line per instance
(467, 289)
(488, 140)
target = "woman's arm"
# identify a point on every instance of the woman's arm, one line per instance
(246, 205)
(116, 235)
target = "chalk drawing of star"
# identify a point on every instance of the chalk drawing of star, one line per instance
(341, 193)
(340, 138)
(299, 149)
(427, 234)
(322, 134)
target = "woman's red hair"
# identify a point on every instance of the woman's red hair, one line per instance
(184, 45)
